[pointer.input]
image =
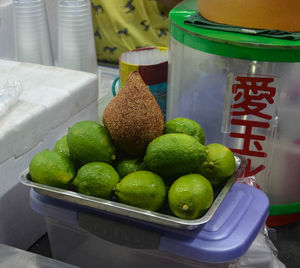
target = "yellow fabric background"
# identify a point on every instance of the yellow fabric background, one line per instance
(124, 25)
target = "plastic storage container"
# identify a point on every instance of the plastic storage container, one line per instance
(90, 238)
(245, 92)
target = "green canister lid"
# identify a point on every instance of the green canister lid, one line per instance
(229, 44)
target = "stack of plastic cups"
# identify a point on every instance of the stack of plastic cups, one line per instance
(75, 44)
(32, 40)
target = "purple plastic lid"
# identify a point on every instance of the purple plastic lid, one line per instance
(230, 232)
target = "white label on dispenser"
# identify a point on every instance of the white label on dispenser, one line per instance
(252, 113)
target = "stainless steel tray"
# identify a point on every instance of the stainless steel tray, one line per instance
(133, 212)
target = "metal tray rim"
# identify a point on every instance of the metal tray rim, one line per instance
(134, 212)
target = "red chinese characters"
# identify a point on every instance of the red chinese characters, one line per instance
(252, 95)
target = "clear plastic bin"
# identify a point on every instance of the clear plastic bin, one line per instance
(74, 245)
(90, 238)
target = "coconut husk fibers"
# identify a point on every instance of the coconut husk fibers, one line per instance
(133, 117)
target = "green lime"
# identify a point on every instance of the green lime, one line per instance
(175, 154)
(190, 196)
(51, 168)
(220, 164)
(61, 146)
(186, 126)
(142, 189)
(89, 141)
(96, 179)
(129, 165)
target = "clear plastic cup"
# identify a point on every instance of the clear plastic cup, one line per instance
(69, 24)
(74, 25)
(84, 11)
(73, 4)
(23, 6)
(80, 29)
(75, 37)
(29, 10)
(31, 32)
(77, 19)
(26, 2)
(76, 47)
(33, 24)
(69, 10)
(27, 20)
(36, 12)
(74, 41)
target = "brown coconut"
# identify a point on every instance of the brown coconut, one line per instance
(133, 117)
